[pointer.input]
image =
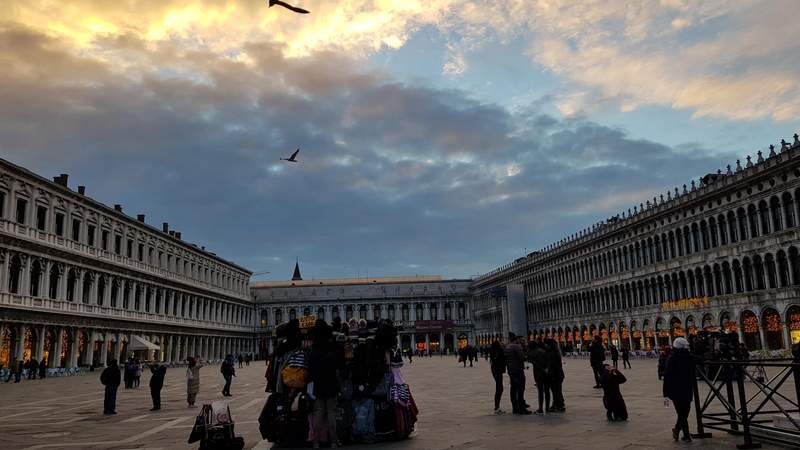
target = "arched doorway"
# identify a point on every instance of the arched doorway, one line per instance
(29, 346)
(691, 328)
(603, 334)
(726, 323)
(793, 323)
(8, 340)
(773, 329)
(708, 323)
(49, 345)
(676, 328)
(750, 330)
(662, 333)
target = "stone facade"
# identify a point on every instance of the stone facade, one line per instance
(720, 253)
(433, 313)
(81, 282)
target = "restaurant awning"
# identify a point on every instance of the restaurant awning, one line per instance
(140, 343)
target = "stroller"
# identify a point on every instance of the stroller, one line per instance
(213, 427)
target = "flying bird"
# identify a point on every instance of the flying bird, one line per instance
(292, 158)
(287, 6)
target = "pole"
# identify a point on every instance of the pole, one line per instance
(701, 433)
(748, 439)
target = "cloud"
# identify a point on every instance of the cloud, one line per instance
(390, 172)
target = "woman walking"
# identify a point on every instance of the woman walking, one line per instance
(679, 376)
(192, 380)
(497, 360)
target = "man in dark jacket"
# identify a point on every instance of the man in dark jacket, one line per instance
(43, 369)
(498, 365)
(626, 358)
(537, 356)
(612, 396)
(614, 356)
(597, 354)
(34, 369)
(515, 366)
(157, 374)
(228, 372)
(110, 379)
(556, 378)
(678, 385)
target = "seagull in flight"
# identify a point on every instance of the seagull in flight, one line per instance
(287, 6)
(292, 158)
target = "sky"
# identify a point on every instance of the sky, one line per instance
(437, 137)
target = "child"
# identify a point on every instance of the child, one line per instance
(612, 397)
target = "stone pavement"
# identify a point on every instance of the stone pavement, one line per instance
(455, 405)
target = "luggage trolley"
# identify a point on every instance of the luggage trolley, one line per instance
(213, 427)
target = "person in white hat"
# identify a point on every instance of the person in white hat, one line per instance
(679, 378)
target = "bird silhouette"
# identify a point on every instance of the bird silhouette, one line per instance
(292, 158)
(287, 6)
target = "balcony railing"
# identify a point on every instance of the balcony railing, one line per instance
(38, 304)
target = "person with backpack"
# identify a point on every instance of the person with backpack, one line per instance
(158, 372)
(110, 378)
(498, 367)
(228, 372)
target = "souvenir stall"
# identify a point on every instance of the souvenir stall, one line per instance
(374, 403)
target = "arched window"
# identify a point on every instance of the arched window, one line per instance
(747, 272)
(55, 277)
(278, 317)
(72, 279)
(758, 266)
(732, 234)
(752, 218)
(115, 293)
(769, 266)
(788, 210)
(36, 278)
(101, 290)
(794, 265)
(14, 274)
(775, 212)
(264, 318)
(292, 314)
(763, 213)
(87, 287)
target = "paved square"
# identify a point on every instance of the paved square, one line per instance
(455, 405)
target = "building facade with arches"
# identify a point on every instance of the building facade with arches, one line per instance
(82, 283)
(721, 253)
(432, 313)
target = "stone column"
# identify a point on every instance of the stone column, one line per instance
(787, 339)
(104, 350)
(19, 348)
(762, 336)
(39, 353)
(73, 354)
(55, 356)
(79, 286)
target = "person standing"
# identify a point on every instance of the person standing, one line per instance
(537, 356)
(515, 366)
(110, 378)
(240, 359)
(325, 362)
(597, 354)
(43, 369)
(157, 374)
(192, 380)
(678, 385)
(556, 375)
(137, 373)
(228, 372)
(614, 356)
(626, 358)
(34, 369)
(497, 359)
(18, 371)
(612, 396)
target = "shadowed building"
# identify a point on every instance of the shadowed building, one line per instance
(82, 283)
(433, 313)
(721, 253)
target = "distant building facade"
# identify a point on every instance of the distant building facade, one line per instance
(433, 313)
(82, 283)
(718, 254)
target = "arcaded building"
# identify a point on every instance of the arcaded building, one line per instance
(82, 283)
(718, 253)
(432, 313)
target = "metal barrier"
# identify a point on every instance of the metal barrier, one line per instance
(726, 381)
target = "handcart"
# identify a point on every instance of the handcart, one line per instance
(213, 427)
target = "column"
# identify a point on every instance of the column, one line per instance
(39, 353)
(19, 348)
(787, 340)
(104, 350)
(55, 356)
(427, 342)
(73, 354)
(88, 355)
(171, 348)
(25, 275)
(79, 286)
(441, 341)
(118, 349)
(761, 335)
